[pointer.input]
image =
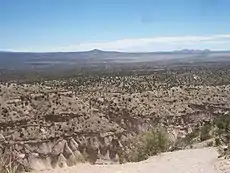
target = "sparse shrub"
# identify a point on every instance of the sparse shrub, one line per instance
(223, 126)
(189, 138)
(205, 132)
(148, 144)
(223, 134)
(217, 141)
(219, 129)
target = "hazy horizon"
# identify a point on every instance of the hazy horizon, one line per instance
(101, 50)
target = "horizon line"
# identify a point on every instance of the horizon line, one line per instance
(147, 44)
(110, 51)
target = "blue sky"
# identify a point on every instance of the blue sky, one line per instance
(125, 25)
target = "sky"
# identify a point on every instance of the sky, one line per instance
(121, 25)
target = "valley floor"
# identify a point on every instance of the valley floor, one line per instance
(184, 161)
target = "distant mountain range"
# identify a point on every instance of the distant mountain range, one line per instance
(30, 60)
(193, 51)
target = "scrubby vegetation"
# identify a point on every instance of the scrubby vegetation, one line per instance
(148, 144)
(223, 134)
(108, 116)
(217, 129)
(156, 141)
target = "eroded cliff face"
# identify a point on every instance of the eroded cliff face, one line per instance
(49, 127)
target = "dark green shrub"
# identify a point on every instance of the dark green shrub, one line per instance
(148, 144)
(205, 132)
(223, 125)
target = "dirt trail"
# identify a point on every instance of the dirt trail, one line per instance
(185, 161)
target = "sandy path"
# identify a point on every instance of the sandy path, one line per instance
(186, 161)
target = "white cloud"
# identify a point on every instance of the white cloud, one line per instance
(215, 42)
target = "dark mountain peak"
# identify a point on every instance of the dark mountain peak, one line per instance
(96, 51)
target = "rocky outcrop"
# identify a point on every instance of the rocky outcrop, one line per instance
(68, 151)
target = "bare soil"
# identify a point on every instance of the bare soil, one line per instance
(185, 161)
